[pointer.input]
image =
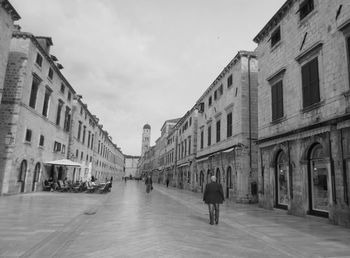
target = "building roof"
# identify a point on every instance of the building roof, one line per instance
(279, 15)
(146, 126)
(226, 70)
(10, 10)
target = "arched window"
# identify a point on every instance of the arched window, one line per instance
(282, 197)
(318, 176)
(36, 172)
(229, 184)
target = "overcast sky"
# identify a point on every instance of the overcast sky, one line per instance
(144, 61)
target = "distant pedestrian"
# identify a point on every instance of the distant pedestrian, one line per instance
(125, 179)
(111, 181)
(167, 182)
(213, 196)
(148, 183)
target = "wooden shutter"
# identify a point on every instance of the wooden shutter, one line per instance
(310, 82)
(277, 100)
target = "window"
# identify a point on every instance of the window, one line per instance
(39, 59)
(28, 135)
(277, 100)
(63, 150)
(190, 121)
(215, 94)
(310, 83)
(77, 153)
(67, 118)
(59, 110)
(221, 90)
(57, 146)
(185, 147)
(92, 141)
(305, 8)
(202, 139)
(69, 97)
(81, 155)
(34, 93)
(46, 102)
(210, 101)
(348, 45)
(236, 92)
(189, 145)
(50, 74)
(79, 130)
(209, 135)
(89, 137)
(218, 128)
(276, 37)
(229, 81)
(62, 87)
(84, 133)
(229, 125)
(41, 141)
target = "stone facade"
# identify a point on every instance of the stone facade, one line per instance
(227, 126)
(186, 140)
(38, 123)
(33, 128)
(131, 165)
(7, 17)
(304, 126)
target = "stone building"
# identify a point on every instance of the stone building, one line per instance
(8, 15)
(227, 127)
(146, 138)
(162, 149)
(304, 126)
(130, 165)
(186, 141)
(34, 115)
(170, 157)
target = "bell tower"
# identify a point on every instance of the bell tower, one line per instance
(146, 138)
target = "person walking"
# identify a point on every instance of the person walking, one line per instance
(148, 183)
(213, 196)
(167, 182)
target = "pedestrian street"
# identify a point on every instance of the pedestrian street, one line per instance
(168, 222)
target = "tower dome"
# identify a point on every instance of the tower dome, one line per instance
(146, 126)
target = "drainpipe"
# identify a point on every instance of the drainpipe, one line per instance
(250, 118)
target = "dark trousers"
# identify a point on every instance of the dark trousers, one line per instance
(213, 213)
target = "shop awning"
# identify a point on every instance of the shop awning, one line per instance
(63, 162)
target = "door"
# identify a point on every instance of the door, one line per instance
(36, 175)
(23, 174)
(228, 182)
(281, 176)
(318, 182)
(201, 180)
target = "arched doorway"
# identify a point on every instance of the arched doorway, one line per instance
(217, 175)
(228, 182)
(36, 175)
(201, 180)
(22, 175)
(208, 176)
(318, 182)
(281, 182)
(60, 173)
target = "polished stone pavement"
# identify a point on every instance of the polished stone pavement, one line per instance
(165, 223)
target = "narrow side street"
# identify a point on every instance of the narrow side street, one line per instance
(165, 223)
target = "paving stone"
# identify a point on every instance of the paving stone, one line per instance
(168, 222)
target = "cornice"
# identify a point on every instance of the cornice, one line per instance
(10, 10)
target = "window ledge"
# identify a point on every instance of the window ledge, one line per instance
(27, 143)
(38, 66)
(313, 107)
(278, 121)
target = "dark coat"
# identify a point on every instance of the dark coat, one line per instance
(148, 181)
(213, 193)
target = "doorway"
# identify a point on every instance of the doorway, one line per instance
(281, 181)
(228, 182)
(36, 175)
(22, 175)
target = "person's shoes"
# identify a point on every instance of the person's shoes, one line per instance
(216, 222)
(211, 223)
